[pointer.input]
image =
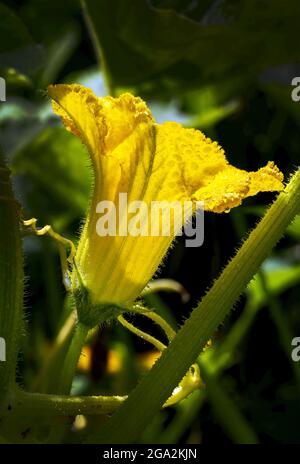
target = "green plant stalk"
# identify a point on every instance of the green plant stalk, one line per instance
(45, 381)
(11, 282)
(158, 385)
(67, 374)
(169, 331)
(139, 333)
(72, 357)
(37, 404)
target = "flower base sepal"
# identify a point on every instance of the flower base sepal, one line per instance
(91, 314)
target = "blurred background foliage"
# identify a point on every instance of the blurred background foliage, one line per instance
(225, 67)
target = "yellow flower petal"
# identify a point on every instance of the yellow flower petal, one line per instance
(194, 167)
(150, 162)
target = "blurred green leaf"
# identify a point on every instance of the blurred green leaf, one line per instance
(15, 81)
(20, 123)
(13, 33)
(278, 279)
(136, 40)
(17, 48)
(281, 94)
(48, 21)
(58, 54)
(294, 228)
(212, 103)
(57, 165)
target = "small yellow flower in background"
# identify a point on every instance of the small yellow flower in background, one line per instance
(132, 154)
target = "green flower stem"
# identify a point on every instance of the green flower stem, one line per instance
(55, 405)
(160, 346)
(191, 380)
(62, 242)
(67, 374)
(73, 354)
(229, 416)
(204, 320)
(166, 285)
(55, 356)
(11, 282)
(169, 331)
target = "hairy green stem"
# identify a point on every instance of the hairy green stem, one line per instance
(54, 359)
(160, 321)
(67, 374)
(73, 354)
(11, 283)
(204, 320)
(166, 285)
(62, 405)
(139, 333)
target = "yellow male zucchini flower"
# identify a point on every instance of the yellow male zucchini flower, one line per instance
(149, 162)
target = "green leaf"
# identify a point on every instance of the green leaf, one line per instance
(137, 41)
(58, 168)
(13, 33)
(281, 94)
(17, 48)
(277, 281)
(294, 228)
(212, 103)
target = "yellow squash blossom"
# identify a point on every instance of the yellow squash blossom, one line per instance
(132, 154)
